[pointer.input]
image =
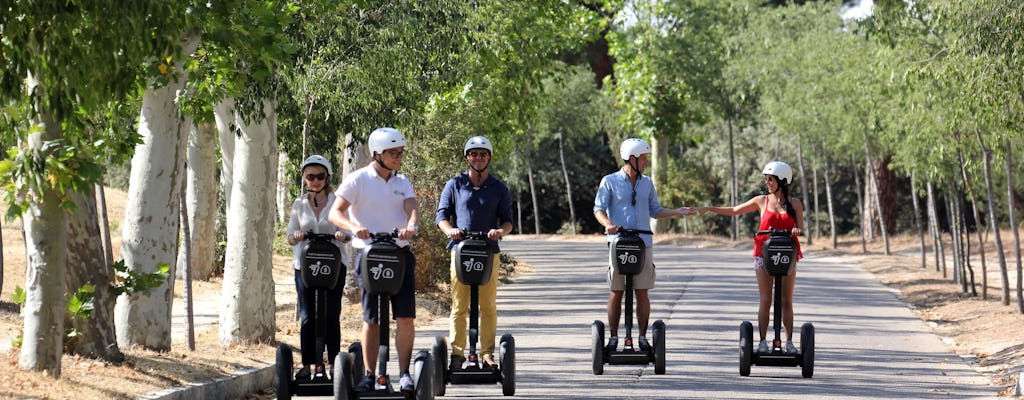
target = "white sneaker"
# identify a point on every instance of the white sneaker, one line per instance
(790, 348)
(762, 347)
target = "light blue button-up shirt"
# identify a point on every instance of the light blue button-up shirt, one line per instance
(615, 198)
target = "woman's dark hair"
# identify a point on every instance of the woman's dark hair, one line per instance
(784, 187)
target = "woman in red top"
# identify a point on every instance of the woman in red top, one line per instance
(778, 211)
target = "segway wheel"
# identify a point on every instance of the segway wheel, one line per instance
(440, 353)
(507, 350)
(343, 377)
(659, 347)
(424, 370)
(356, 351)
(807, 349)
(746, 347)
(283, 369)
(597, 334)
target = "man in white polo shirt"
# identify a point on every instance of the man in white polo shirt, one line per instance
(372, 199)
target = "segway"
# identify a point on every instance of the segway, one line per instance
(474, 269)
(383, 271)
(627, 251)
(779, 259)
(321, 267)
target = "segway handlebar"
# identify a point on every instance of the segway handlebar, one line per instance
(311, 236)
(477, 235)
(624, 231)
(384, 236)
(774, 232)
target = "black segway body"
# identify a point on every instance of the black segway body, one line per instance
(627, 254)
(321, 267)
(475, 266)
(383, 270)
(779, 254)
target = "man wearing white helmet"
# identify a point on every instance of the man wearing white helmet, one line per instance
(474, 201)
(310, 214)
(376, 198)
(778, 211)
(627, 199)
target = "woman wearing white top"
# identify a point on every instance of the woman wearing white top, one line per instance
(309, 214)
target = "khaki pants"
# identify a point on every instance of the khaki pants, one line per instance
(460, 311)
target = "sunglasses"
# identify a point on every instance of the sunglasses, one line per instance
(316, 177)
(395, 153)
(475, 154)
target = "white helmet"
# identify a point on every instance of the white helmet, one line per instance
(477, 142)
(780, 170)
(385, 138)
(633, 147)
(318, 160)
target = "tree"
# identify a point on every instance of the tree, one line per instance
(56, 46)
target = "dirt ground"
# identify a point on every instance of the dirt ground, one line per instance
(984, 332)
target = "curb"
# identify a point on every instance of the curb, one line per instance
(244, 382)
(1020, 385)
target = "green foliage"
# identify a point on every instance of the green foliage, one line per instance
(130, 282)
(54, 165)
(18, 297)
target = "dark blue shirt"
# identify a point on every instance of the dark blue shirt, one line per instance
(472, 208)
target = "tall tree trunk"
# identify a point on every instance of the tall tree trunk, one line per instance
(972, 197)
(953, 232)
(830, 202)
(185, 266)
(1003, 273)
(281, 197)
(734, 196)
(201, 199)
(917, 217)
(659, 165)
(936, 230)
(150, 234)
(568, 186)
(529, 175)
(978, 229)
(87, 266)
(816, 232)
(803, 189)
(46, 255)
(247, 294)
(104, 222)
(873, 179)
(1013, 225)
(861, 199)
(224, 117)
(356, 156)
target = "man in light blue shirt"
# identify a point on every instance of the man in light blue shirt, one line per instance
(627, 199)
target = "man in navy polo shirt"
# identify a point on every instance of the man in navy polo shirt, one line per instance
(474, 201)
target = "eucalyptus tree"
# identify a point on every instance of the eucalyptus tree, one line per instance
(515, 46)
(51, 51)
(669, 72)
(989, 39)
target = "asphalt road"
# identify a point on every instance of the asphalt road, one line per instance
(869, 345)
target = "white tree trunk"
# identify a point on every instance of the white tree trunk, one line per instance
(224, 115)
(247, 294)
(356, 156)
(150, 233)
(201, 198)
(46, 254)
(87, 265)
(281, 186)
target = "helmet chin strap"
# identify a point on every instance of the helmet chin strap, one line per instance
(316, 192)
(381, 163)
(481, 170)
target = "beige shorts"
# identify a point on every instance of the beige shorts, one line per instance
(643, 280)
